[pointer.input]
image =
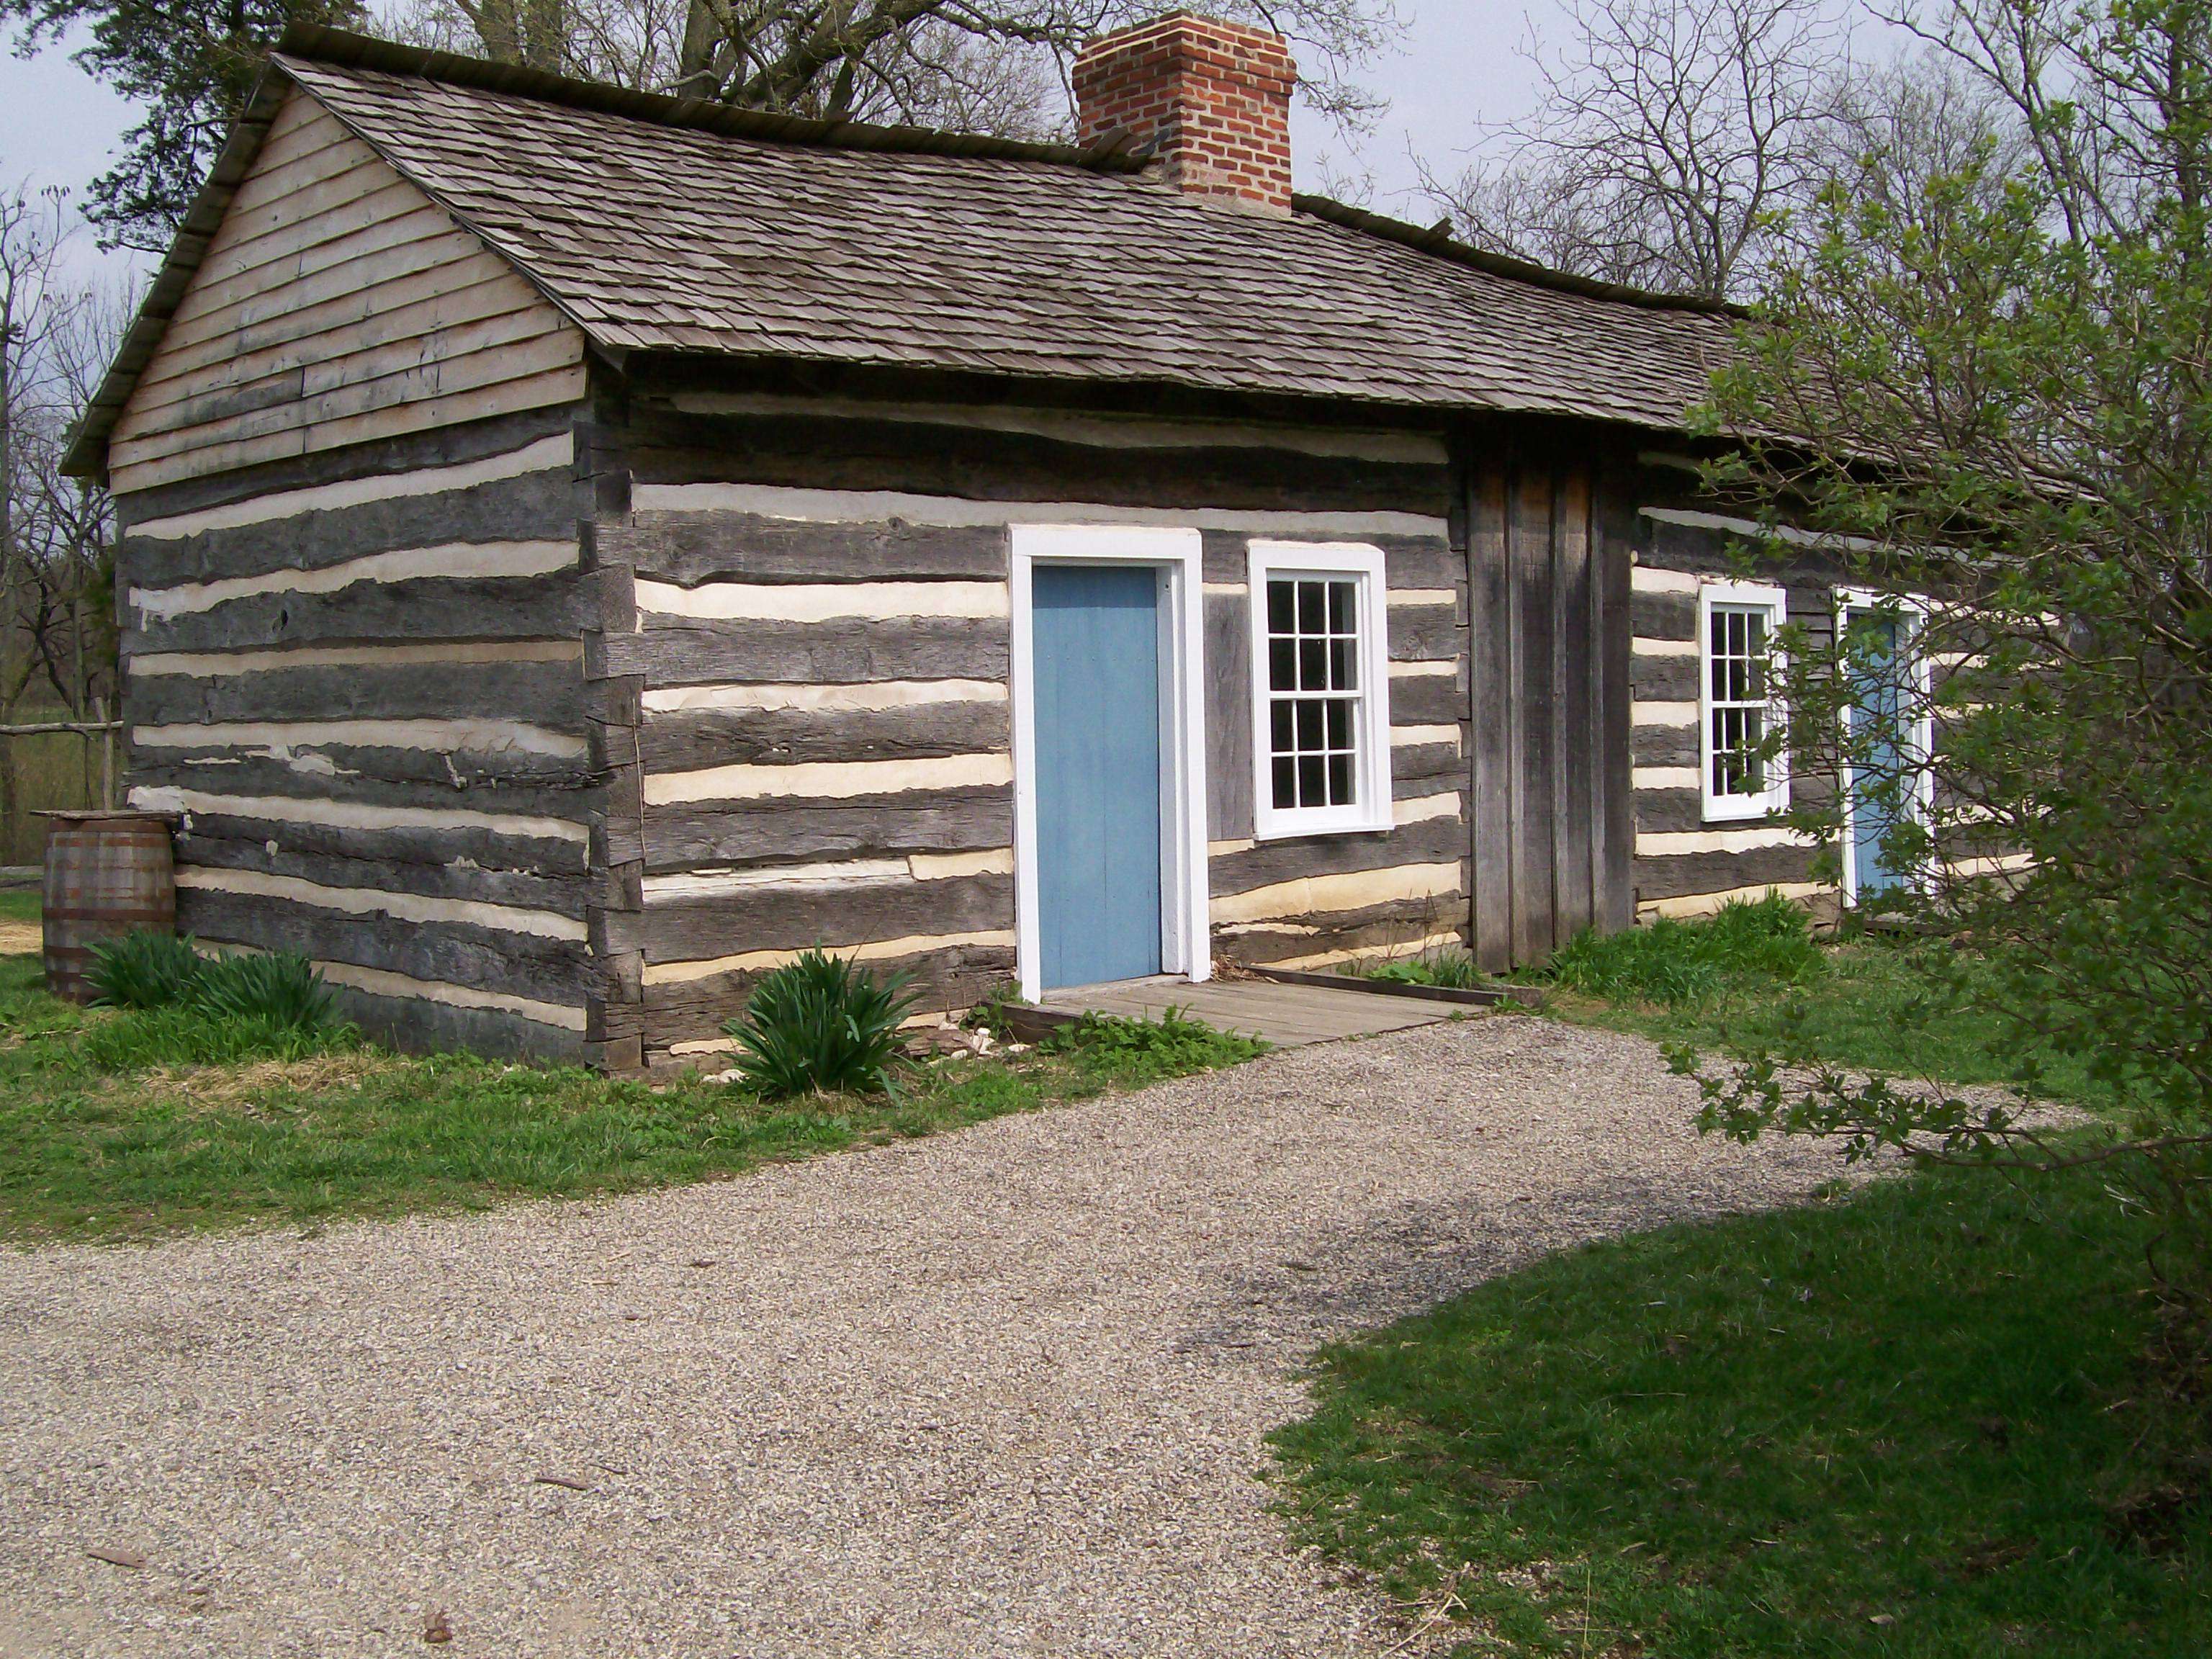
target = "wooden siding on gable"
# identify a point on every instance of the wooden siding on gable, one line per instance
(336, 305)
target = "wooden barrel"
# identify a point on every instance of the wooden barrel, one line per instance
(108, 874)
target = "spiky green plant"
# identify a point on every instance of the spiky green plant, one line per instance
(282, 989)
(820, 1025)
(143, 969)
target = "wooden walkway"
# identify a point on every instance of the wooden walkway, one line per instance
(1287, 1016)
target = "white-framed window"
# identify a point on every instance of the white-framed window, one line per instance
(1737, 625)
(1320, 689)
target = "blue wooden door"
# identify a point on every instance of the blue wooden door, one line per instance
(1096, 651)
(1881, 789)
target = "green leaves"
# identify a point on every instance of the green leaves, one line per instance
(283, 989)
(152, 973)
(820, 1025)
(1131, 1053)
(1998, 376)
(143, 969)
(190, 65)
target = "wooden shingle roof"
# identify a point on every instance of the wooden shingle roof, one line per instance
(657, 229)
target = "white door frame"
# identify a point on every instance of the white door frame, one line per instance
(1186, 944)
(1920, 738)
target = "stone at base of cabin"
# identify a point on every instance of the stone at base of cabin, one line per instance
(947, 1038)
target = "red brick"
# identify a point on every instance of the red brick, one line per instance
(1216, 95)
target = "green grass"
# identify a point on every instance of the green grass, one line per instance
(1752, 978)
(118, 1126)
(1895, 1426)
(19, 904)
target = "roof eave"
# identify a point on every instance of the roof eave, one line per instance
(1141, 391)
(86, 454)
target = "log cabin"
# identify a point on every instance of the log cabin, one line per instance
(580, 548)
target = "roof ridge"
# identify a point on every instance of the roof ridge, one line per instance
(341, 48)
(1443, 245)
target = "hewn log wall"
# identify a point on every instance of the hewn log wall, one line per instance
(357, 681)
(337, 306)
(1684, 866)
(1303, 901)
(819, 663)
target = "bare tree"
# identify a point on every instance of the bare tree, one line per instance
(56, 615)
(980, 65)
(1668, 144)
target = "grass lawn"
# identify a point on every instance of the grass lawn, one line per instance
(1898, 1423)
(117, 1126)
(1911, 1007)
(1890, 1426)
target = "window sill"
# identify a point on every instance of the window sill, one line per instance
(1749, 812)
(1295, 829)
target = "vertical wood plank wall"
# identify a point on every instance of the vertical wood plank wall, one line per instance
(1547, 580)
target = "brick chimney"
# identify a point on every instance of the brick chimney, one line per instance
(1215, 96)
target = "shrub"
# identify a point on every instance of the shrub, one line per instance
(144, 969)
(282, 989)
(820, 1025)
(1134, 1052)
(1676, 962)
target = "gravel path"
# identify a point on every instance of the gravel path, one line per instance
(997, 1393)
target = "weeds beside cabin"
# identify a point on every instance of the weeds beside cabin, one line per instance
(580, 549)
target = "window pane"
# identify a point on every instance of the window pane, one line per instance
(1339, 780)
(1343, 659)
(1313, 664)
(1313, 651)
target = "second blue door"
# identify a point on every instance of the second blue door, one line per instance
(1882, 786)
(1095, 642)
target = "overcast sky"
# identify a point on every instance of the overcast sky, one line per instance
(58, 125)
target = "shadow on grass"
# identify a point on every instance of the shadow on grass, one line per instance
(1896, 1424)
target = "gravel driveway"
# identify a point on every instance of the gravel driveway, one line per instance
(1000, 1392)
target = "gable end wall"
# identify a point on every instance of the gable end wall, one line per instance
(336, 305)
